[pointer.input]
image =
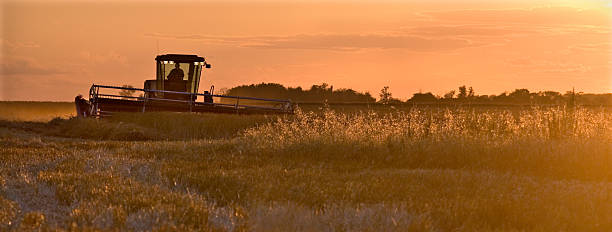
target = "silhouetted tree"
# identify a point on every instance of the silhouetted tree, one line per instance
(127, 92)
(423, 97)
(324, 91)
(385, 95)
(221, 91)
(520, 96)
(450, 94)
(317, 93)
(462, 92)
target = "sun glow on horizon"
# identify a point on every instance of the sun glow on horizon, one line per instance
(58, 49)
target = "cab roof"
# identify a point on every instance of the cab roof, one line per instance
(179, 58)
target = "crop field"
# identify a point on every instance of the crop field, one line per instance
(453, 168)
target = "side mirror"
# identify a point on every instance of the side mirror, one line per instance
(207, 65)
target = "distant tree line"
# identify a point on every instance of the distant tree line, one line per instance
(316, 93)
(518, 96)
(463, 94)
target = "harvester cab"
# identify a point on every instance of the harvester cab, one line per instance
(176, 73)
(174, 89)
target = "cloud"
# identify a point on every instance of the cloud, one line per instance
(336, 42)
(103, 58)
(353, 42)
(473, 23)
(27, 66)
(544, 66)
(534, 16)
(17, 45)
(446, 31)
(599, 47)
(468, 30)
(437, 38)
(489, 30)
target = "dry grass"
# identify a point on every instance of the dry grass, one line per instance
(147, 126)
(423, 169)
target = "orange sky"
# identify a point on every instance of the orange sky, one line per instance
(56, 50)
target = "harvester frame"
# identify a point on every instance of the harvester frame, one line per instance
(145, 103)
(174, 91)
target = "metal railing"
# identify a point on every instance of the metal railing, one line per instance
(284, 106)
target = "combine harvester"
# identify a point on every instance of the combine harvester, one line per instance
(175, 89)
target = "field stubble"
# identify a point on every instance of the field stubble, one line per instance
(422, 169)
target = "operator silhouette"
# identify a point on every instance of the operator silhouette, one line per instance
(176, 74)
